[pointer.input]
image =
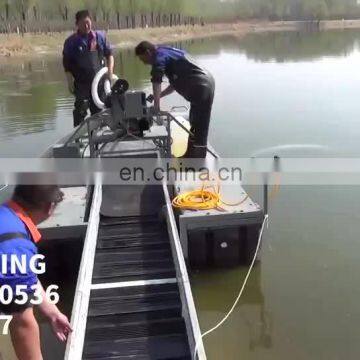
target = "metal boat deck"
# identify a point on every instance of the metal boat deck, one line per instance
(133, 297)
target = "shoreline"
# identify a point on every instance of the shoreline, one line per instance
(33, 45)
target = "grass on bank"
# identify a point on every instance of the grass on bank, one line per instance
(14, 45)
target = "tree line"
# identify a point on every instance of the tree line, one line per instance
(299, 9)
(58, 15)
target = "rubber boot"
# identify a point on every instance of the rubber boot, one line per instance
(195, 152)
(189, 150)
(199, 152)
(80, 112)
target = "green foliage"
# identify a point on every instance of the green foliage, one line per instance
(297, 9)
(113, 12)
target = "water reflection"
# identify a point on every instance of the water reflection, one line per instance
(298, 46)
(280, 46)
(31, 112)
(28, 101)
(34, 97)
(34, 105)
(260, 330)
(251, 322)
(131, 68)
(272, 89)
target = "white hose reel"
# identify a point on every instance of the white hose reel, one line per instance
(107, 87)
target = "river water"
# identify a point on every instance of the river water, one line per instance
(273, 89)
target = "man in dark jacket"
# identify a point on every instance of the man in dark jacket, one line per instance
(29, 206)
(190, 80)
(83, 56)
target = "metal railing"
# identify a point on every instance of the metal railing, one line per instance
(75, 342)
(188, 306)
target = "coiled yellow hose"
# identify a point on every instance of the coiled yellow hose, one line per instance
(206, 198)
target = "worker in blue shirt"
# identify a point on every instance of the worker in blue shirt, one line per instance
(29, 206)
(84, 55)
(187, 78)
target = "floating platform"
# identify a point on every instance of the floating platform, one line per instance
(221, 237)
(133, 297)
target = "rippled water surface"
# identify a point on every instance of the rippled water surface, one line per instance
(292, 91)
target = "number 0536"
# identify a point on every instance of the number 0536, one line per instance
(20, 295)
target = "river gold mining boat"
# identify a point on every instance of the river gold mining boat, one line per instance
(133, 298)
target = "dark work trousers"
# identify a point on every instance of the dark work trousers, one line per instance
(83, 103)
(200, 114)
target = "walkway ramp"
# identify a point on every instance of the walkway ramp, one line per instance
(133, 299)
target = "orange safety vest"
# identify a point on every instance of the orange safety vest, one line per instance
(25, 218)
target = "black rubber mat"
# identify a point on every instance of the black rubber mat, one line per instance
(145, 253)
(131, 249)
(129, 220)
(136, 322)
(157, 347)
(140, 303)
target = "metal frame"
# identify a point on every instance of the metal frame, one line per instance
(162, 143)
(75, 342)
(189, 309)
(86, 123)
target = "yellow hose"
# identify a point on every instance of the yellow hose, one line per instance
(206, 198)
(209, 198)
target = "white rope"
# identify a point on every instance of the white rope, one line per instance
(266, 221)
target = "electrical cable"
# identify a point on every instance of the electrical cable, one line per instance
(266, 221)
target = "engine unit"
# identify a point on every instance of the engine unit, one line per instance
(128, 109)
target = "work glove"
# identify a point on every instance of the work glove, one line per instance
(70, 81)
(153, 111)
(150, 98)
(112, 78)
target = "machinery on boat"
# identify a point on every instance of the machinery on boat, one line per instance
(127, 128)
(125, 120)
(133, 296)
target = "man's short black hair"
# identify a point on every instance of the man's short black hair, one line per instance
(81, 15)
(143, 47)
(35, 196)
